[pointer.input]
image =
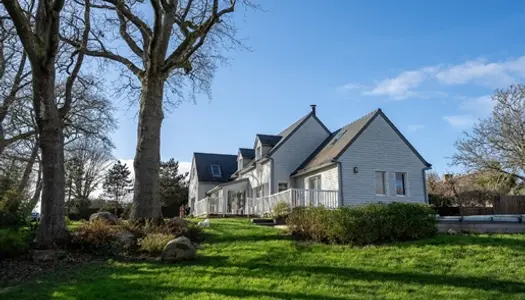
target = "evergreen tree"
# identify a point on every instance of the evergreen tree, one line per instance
(173, 185)
(117, 182)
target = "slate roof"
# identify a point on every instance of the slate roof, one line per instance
(269, 140)
(337, 143)
(204, 161)
(247, 153)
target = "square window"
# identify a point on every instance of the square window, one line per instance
(283, 186)
(380, 183)
(401, 183)
(216, 171)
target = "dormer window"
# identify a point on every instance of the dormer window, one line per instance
(216, 171)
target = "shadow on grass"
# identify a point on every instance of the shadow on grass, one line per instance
(141, 281)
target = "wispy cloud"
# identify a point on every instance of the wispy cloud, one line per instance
(415, 127)
(480, 72)
(460, 121)
(351, 86)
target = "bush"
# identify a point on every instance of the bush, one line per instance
(11, 213)
(154, 243)
(13, 242)
(281, 210)
(368, 224)
(97, 237)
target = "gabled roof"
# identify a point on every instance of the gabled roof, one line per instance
(268, 139)
(204, 161)
(247, 153)
(286, 133)
(337, 143)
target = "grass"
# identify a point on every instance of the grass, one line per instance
(241, 260)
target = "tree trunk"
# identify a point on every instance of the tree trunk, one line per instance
(146, 198)
(51, 141)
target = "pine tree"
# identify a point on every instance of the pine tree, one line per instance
(117, 183)
(173, 185)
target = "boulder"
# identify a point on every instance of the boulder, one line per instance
(177, 226)
(104, 216)
(126, 239)
(179, 249)
(205, 223)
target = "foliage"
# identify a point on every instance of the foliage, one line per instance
(10, 209)
(281, 210)
(363, 225)
(13, 242)
(154, 243)
(496, 143)
(173, 185)
(241, 260)
(117, 183)
(96, 237)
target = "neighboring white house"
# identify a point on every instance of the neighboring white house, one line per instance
(368, 160)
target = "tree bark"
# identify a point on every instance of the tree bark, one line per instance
(146, 198)
(51, 141)
(22, 185)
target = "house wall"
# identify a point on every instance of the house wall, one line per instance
(295, 150)
(205, 186)
(329, 178)
(260, 176)
(193, 188)
(379, 148)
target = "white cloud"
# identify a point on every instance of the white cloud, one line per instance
(480, 106)
(350, 86)
(399, 87)
(460, 121)
(415, 127)
(481, 72)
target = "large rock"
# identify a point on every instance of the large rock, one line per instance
(126, 239)
(179, 249)
(104, 216)
(177, 226)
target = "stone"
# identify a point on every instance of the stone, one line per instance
(452, 232)
(205, 223)
(179, 249)
(126, 239)
(104, 216)
(41, 256)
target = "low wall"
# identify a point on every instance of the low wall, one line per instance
(482, 227)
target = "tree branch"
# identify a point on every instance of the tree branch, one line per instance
(32, 44)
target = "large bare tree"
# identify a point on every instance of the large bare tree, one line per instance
(497, 143)
(182, 42)
(39, 36)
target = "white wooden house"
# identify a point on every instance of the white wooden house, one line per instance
(367, 160)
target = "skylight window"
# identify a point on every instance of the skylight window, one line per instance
(216, 171)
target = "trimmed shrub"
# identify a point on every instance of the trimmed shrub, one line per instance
(13, 242)
(154, 243)
(281, 210)
(368, 224)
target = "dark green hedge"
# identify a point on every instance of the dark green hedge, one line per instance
(368, 224)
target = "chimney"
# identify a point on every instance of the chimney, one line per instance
(313, 108)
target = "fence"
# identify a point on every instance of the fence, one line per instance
(502, 204)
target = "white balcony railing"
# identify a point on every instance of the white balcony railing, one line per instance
(264, 205)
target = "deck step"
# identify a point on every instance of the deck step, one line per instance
(261, 221)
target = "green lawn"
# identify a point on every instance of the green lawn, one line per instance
(241, 260)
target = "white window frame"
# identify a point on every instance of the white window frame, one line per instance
(405, 184)
(385, 182)
(218, 168)
(318, 176)
(279, 186)
(239, 163)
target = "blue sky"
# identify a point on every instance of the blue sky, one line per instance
(430, 65)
